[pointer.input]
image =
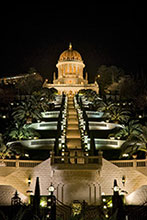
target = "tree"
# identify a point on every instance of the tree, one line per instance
(135, 142)
(89, 94)
(4, 150)
(106, 76)
(32, 81)
(117, 114)
(132, 128)
(129, 88)
(45, 97)
(103, 106)
(27, 110)
(134, 89)
(22, 132)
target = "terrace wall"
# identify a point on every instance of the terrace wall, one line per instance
(72, 184)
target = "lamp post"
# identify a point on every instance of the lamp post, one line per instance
(16, 200)
(117, 202)
(51, 204)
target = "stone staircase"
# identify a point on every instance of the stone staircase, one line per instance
(73, 137)
(73, 133)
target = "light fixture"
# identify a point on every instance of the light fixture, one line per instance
(123, 180)
(125, 155)
(51, 189)
(29, 181)
(115, 187)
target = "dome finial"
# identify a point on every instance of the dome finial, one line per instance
(70, 46)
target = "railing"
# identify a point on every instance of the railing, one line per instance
(67, 159)
(19, 163)
(130, 163)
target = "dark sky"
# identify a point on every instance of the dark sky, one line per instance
(34, 35)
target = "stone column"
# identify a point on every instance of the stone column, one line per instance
(94, 193)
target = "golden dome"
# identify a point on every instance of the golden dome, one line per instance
(70, 54)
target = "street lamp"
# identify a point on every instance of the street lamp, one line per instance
(115, 187)
(51, 189)
(51, 204)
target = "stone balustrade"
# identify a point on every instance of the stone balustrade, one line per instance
(76, 162)
(19, 163)
(130, 163)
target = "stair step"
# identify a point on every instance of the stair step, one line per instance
(73, 138)
(72, 121)
(73, 134)
(72, 127)
(73, 112)
(74, 117)
(71, 102)
(73, 143)
(71, 108)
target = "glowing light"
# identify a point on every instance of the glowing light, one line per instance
(29, 181)
(110, 205)
(116, 188)
(125, 155)
(43, 203)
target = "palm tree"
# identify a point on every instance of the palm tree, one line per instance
(89, 94)
(49, 94)
(135, 142)
(117, 114)
(132, 128)
(20, 132)
(104, 106)
(2, 145)
(4, 150)
(44, 98)
(27, 110)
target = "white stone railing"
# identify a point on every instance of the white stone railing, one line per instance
(19, 163)
(130, 163)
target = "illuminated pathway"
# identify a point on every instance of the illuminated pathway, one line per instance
(73, 137)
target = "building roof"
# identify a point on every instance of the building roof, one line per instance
(70, 54)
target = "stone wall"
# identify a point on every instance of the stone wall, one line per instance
(73, 184)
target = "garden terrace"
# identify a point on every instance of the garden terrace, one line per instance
(34, 144)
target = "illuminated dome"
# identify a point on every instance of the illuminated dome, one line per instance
(70, 55)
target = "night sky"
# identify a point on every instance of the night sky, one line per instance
(34, 35)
